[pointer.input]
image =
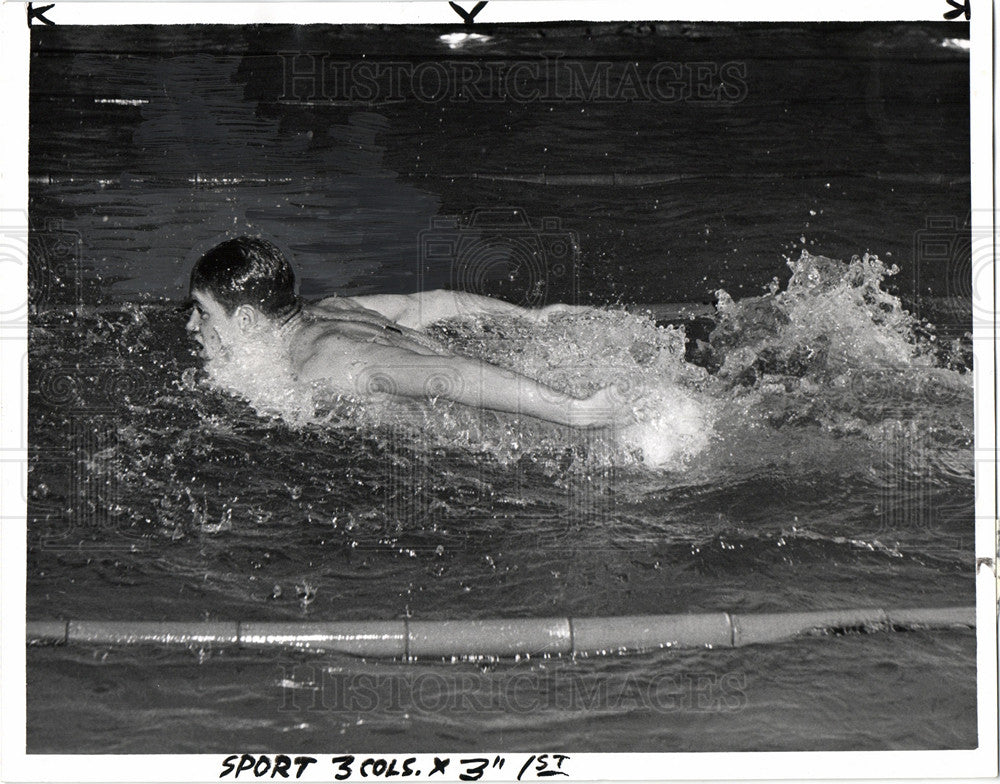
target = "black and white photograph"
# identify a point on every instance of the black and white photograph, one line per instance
(455, 394)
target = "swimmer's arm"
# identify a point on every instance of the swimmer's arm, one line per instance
(391, 370)
(423, 308)
(390, 306)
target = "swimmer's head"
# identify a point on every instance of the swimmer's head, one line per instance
(247, 271)
(237, 287)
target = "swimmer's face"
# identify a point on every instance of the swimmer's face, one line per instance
(215, 330)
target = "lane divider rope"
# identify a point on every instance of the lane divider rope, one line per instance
(406, 638)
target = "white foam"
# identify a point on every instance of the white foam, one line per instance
(673, 428)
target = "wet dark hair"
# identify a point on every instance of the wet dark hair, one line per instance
(247, 271)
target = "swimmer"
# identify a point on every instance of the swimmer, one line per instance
(244, 290)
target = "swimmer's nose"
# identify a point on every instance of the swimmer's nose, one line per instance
(192, 324)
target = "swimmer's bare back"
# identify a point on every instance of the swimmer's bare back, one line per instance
(344, 317)
(356, 348)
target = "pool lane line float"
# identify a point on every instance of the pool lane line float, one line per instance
(408, 638)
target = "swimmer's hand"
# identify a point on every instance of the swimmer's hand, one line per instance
(605, 408)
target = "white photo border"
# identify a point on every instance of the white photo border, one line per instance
(14, 50)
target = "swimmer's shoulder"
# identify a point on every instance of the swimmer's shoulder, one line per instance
(320, 351)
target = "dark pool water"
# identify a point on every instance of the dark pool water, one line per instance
(836, 468)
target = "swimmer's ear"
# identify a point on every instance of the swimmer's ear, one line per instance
(246, 317)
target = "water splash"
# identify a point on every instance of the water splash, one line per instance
(833, 349)
(832, 318)
(573, 353)
(834, 369)
(580, 353)
(260, 372)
